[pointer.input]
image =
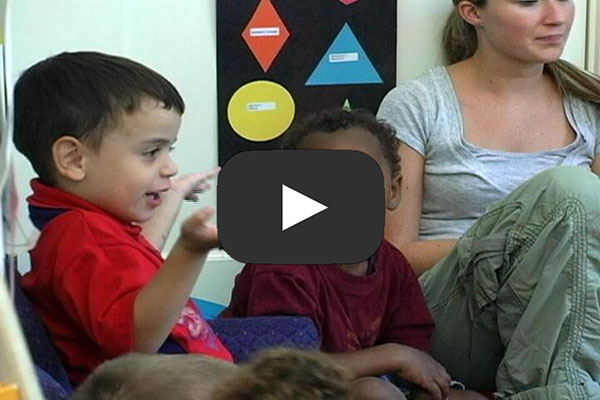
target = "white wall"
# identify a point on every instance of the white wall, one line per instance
(177, 38)
(576, 47)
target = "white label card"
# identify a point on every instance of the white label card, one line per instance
(343, 57)
(264, 31)
(263, 106)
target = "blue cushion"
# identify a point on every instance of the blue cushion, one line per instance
(244, 336)
(42, 350)
(52, 389)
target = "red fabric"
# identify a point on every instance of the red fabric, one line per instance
(87, 268)
(352, 312)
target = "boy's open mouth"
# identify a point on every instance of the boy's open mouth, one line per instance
(156, 193)
(153, 195)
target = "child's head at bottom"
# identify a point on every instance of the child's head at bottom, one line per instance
(357, 130)
(138, 376)
(287, 374)
(274, 374)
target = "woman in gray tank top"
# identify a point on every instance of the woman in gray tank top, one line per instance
(501, 201)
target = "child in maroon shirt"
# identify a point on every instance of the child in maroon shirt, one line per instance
(352, 312)
(372, 315)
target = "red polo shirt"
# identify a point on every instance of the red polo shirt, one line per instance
(87, 269)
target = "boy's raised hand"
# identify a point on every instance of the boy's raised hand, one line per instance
(190, 185)
(197, 235)
(185, 187)
(421, 369)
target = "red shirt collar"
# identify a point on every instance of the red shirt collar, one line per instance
(50, 197)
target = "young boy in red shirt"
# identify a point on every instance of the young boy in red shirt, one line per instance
(98, 130)
(372, 315)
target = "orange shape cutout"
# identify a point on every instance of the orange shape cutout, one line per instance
(265, 34)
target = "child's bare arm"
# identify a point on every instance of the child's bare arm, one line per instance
(185, 187)
(158, 305)
(411, 364)
(453, 395)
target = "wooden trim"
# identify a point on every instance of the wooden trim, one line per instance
(593, 37)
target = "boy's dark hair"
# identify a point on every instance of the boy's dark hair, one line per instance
(340, 119)
(81, 94)
(287, 374)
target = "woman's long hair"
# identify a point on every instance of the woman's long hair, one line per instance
(460, 42)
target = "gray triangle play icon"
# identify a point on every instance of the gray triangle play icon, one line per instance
(297, 207)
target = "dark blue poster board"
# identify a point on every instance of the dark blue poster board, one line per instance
(278, 60)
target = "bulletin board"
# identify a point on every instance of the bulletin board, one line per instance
(278, 60)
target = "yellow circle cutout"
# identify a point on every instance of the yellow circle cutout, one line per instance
(261, 110)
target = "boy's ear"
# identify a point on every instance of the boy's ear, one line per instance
(394, 194)
(68, 154)
(469, 12)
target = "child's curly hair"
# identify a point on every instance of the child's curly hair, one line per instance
(340, 119)
(287, 374)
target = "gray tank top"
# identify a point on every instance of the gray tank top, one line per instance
(461, 180)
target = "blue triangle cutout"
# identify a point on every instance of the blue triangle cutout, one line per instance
(344, 63)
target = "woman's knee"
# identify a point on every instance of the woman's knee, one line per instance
(565, 186)
(570, 181)
(372, 388)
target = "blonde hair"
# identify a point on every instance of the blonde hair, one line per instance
(155, 376)
(460, 42)
(273, 375)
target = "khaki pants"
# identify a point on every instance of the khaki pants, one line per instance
(516, 303)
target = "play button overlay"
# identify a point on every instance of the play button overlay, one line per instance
(300, 206)
(296, 207)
